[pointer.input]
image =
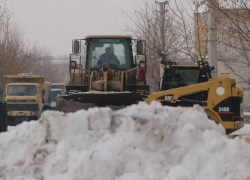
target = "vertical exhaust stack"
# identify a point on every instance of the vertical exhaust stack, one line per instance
(212, 36)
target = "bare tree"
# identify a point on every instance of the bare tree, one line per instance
(16, 56)
(147, 24)
(41, 63)
(233, 27)
(234, 38)
(13, 51)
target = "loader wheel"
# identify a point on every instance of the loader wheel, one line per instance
(45, 107)
(5, 123)
(2, 125)
(209, 117)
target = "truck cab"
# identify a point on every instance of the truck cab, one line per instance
(54, 94)
(24, 102)
(27, 96)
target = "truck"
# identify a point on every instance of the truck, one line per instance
(54, 94)
(60, 86)
(219, 97)
(99, 82)
(57, 89)
(27, 96)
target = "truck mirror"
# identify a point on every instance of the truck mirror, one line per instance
(43, 92)
(139, 47)
(76, 47)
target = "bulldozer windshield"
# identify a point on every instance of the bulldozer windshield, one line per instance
(180, 76)
(109, 51)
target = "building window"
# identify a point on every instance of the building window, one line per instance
(205, 43)
(205, 23)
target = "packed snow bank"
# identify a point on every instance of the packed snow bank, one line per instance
(141, 142)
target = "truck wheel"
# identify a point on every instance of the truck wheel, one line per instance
(45, 107)
(1, 125)
(6, 122)
(11, 121)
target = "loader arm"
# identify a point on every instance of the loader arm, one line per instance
(173, 95)
(219, 97)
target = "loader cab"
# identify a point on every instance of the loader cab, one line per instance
(95, 48)
(88, 60)
(118, 48)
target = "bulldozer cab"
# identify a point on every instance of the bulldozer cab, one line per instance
(219, 97)
(175, 76)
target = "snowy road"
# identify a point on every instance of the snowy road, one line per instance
(243, 131)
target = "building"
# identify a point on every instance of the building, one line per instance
(233, 45)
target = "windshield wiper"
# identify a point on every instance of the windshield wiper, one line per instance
(22, 94)
(11, 94)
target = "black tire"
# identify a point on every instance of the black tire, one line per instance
(1, 124)
(11, 121)
(6, 122)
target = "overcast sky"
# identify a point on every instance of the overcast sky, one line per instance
(54, 23)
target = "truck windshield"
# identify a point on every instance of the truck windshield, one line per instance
(109, 51)
(21, 90)
(54, 94)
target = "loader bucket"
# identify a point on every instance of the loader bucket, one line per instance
(114, 100)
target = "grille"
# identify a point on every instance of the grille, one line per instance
(22, 107)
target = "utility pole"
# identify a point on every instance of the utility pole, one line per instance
(212, 36)
(162, 13)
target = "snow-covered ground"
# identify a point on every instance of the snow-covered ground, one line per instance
(243, 131)
(140, 142)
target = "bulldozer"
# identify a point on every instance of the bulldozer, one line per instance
(187, 85)
(98, 79)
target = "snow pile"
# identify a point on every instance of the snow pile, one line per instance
(141, 142)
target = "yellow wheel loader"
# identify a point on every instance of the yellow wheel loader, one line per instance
(104, 72)
(186, 85)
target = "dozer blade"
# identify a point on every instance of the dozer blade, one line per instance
(114, 100)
